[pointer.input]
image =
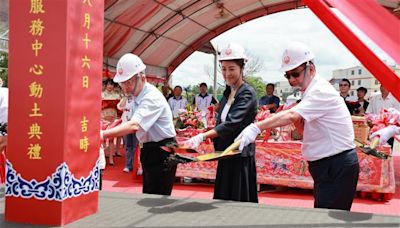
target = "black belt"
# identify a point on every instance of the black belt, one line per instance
(333, 156)
(159, 143)
(152, 155)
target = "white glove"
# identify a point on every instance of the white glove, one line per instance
(248, 135)
(393, 111)
(195, 141)
(386, 133)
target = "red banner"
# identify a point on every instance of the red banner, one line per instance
(55, 69)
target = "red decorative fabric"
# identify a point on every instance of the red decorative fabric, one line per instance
(281, 163)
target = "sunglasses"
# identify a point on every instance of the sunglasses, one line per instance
(342, 85)
(295, 74)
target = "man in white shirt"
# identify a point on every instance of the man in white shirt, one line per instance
(382, 100)
(328, 130)
(344, 87)
(202, 100)
(151, 120)
(177, 102)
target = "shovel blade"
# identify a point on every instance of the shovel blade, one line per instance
(180, 150)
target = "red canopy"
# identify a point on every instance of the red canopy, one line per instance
(165, 32)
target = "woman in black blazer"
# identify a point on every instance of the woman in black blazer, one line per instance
(236, 176)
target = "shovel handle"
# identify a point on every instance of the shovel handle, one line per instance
(233, 146)
(374, 143)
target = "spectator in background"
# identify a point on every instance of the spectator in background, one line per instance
(110, 98)
(202, 100)
(362, 103)
(167, 91)
(382, 100)
(3, 103)
(270, 100)
(177, 101)
(344, 88)
(3, 113)
(130, 140)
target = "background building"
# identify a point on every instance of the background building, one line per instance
(359, 76)
(283, 89)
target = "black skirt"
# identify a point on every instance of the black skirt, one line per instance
(236, 179)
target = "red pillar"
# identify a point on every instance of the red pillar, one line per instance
(55, 68)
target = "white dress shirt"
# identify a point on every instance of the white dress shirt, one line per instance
(376, 103)
(202, 103)
(151, 111)
(328, 128)
(225, 111)
(177, 103)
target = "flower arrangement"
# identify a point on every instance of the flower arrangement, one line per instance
(189, 119)
(211, 117)
(263, 113)
(284, 133)
(382, 120)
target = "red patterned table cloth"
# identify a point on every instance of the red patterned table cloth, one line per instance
(281, 163)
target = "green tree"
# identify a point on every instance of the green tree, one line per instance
(188, 92)
(4, 68)
(220, 92)
(258, 84)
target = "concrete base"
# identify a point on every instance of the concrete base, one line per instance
(131, 210)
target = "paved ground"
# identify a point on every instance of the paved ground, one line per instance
(138, 210)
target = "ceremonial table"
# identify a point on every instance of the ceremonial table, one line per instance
(281, 163)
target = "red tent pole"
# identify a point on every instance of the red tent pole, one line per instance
(375, 21)
(376, 66)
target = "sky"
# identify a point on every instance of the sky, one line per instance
(267, 36)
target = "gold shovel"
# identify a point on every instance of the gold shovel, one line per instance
(178, 151)
(229, 151)
(371, 149)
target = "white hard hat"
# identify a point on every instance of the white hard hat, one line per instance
(294, 55)
(128, 65)
(232, 51)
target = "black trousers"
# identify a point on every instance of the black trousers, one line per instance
(335, 180)
(157, 177)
